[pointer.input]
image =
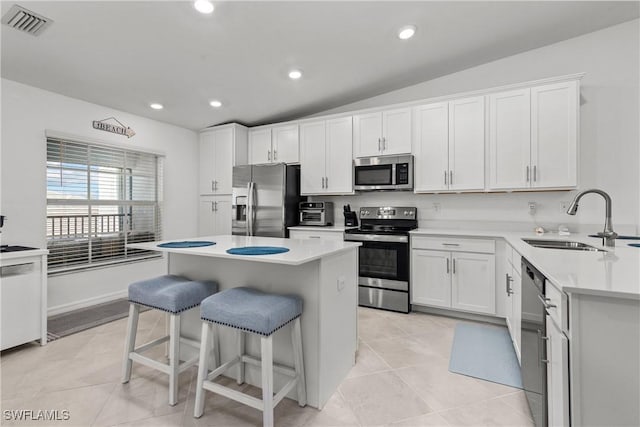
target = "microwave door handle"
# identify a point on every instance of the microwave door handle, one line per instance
(393, 174)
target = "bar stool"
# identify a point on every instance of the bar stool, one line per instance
(172, 294)
(251, 311)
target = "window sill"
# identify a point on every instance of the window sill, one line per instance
(97, 266)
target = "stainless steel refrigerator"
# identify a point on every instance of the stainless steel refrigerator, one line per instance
(265, 199)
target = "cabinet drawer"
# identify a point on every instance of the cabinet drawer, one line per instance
(322, 235)
(454, 244)
(558, 306)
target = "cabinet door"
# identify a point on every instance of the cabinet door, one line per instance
(260, 146)
(473, 282)
(368, 134)
(431, 147)
(206, 217)
(207, 162)
(339, 163)
(431, 278)
(319, 235)
(285, 144)
(466, 144)
(510, 139)
(222, 214)
(223, 161)
(557, 376)
(396, 131)
(554, 130)
(516, 285)
(312, 157)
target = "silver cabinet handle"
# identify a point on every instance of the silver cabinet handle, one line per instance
(314, 237)
(541, 341)
(275, 155)
(545, 302)
(216, 203)
(445, 179)
(447, 265)
(379, 142)
(323, 182)
(384, 143)
(326, 182)
(535, 173)
(527, 173)
(269, 155)
(508, 281)
(213, 187)
(212, 208)
(454, 265)
(450, 177)
(451, 244)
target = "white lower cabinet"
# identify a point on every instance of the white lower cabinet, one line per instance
(214, 216)
(320, 234)
(453, 279)
(557, 375)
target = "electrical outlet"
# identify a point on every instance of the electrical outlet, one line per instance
(341, 283)
(532, 208)
(436, 207)
(564, 206)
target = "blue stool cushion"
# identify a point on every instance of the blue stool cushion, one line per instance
(171, 293)
(251, 310)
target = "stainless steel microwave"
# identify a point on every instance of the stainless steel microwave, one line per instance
(383, 173)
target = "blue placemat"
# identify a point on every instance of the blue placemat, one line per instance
(257, 250)
(187, 244)
(485, 352)
(619, 237)
(635, 245)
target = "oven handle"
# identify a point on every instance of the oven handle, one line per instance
(374, 238)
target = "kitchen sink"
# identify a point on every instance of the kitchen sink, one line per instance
(562, 244)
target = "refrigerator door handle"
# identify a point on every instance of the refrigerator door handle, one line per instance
(250, 209)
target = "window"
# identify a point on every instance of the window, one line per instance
(99, 199)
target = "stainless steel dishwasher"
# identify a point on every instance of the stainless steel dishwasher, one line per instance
(533, 346)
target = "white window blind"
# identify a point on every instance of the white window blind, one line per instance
(99, 199)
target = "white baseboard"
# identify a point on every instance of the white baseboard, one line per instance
(59, 309)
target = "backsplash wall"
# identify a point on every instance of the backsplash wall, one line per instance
(487, 210)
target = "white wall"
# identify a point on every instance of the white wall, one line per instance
(609, 146)
(26, 113)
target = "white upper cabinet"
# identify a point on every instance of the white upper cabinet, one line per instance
(533, 137)
(278, 144)
(383, 133)
(466, 144)
(554, 135)
(220, 150)
(326, 157)
(285, 144)
(509, 139)
(260, 146)
(449, 146)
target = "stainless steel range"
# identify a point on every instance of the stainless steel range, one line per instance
(384, 256)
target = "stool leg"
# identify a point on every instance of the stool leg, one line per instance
(241, 343)
(203, 365)
(296, 338)
(266, 350)
(174, 357)
(215, 345)
(130, 341)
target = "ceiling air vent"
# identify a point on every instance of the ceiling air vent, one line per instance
(26, 21)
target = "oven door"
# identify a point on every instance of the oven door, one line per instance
(384, 264)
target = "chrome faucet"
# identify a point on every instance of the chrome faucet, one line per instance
(608, 235)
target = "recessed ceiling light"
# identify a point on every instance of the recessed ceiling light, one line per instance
(295, 74)
(156, 106)
(406, 32)
(215, 103)
(203, 6)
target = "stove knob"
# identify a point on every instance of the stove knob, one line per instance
(406, 213)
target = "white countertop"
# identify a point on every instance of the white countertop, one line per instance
(300, 251)
(615, 273)
(6, 256)
(329, 228)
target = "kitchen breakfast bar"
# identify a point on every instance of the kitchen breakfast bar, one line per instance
(323, 273)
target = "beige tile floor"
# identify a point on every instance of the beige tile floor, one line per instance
(401, 378)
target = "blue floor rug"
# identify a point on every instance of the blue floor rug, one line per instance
(485, 352)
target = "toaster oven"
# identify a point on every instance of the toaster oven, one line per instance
(316, 213)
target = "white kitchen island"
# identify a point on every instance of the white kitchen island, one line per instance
(323, 273)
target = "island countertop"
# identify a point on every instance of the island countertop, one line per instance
(300, 251)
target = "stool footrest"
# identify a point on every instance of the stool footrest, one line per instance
(150, 344)
(277, 368)
(283, 392)
(190, 342)
(150, 362)
(238, 396)
(222, 368)
(186, 365)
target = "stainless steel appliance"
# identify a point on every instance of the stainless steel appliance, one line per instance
(533, 352)
(316, 213)
(384, 256)
(265, 199)
(383, 173)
